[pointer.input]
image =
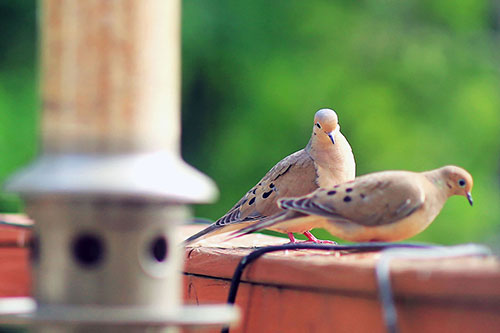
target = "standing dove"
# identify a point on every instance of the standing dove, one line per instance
(382, 206)
(325, 161)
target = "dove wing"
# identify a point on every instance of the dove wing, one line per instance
(372, 200)
(294, 175)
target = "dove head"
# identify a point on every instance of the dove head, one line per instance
(326, 125)
(458, 181)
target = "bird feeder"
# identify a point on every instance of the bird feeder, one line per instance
(109, 189)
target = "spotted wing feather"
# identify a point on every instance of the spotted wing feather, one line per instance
(368, 201)
(295, 175)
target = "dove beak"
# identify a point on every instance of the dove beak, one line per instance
(469, 197)
(330, 135)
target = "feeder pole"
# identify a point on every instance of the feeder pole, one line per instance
(109, 188)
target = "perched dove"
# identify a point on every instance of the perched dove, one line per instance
(382, 206)
(325, 161)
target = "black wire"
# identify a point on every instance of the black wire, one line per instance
(245, 261)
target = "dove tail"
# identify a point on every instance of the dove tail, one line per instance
(202, 234)
(263, 224)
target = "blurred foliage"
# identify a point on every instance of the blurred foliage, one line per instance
(416, 85)
(18, 99)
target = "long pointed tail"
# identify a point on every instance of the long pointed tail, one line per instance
(265, 223)
(201, 234)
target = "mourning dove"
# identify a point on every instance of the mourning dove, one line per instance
(325, 161)
(382, 206)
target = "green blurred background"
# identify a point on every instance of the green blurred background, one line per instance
(416, 85)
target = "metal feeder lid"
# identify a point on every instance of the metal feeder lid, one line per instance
(158, 176)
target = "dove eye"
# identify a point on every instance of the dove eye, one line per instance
(318, 125)
(461, 183)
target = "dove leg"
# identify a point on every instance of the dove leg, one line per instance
(312, 238)
(292, 237)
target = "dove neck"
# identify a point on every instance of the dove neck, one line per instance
(321, 148)
(436, 178)
(334, 162)
(322, 143)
